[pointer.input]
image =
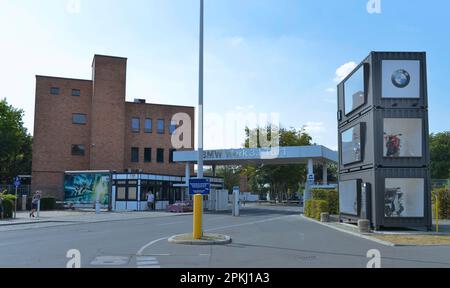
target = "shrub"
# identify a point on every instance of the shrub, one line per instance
(320, 194)
(307, 211)
(313, 208)
(330, 196)
(8, 209)
(48, 204)
(443, 197)
(333, 202)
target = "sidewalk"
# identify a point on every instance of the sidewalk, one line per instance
(59, 217)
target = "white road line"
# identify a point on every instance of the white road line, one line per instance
(250, 223)
(141, 251)
(172, 223)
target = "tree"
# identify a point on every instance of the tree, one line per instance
(440, 155)
(230, 175)
(281, 181)
(15, 143)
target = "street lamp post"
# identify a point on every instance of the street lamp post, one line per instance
(198, 199)
(200, 97)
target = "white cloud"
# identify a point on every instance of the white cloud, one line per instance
(344, 70)
(315, 127)
(235, 41)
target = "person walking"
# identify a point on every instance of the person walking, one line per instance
(34, 203)
(150, 201)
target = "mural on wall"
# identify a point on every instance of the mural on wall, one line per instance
(83, 188)
(402, 137)
(404, 197)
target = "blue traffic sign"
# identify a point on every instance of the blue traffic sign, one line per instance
(199, 186)
(16, 182)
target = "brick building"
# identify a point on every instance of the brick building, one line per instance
(87, 125)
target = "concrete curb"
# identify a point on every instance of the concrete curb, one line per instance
(82, 221)
(385, 243)
(223, 241)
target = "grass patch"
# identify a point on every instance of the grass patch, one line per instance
(420, 240)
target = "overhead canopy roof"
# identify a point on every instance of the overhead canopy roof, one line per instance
(275, 156)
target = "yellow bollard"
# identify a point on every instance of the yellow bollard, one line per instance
(198, 217)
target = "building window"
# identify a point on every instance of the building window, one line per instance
(136, 125)
(80, 119)
(135, 155)
(171, 155)
(172, 127)
(148, 155)
(148, 125)
(161, 126)
(54, 91)
(160, 155)
(76, 92)
(78, 150)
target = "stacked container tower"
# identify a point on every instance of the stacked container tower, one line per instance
(383, 130)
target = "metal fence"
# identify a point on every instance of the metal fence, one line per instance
(22, 190)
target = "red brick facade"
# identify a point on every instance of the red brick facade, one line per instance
(107, 135)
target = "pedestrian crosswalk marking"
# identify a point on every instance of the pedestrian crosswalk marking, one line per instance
(147, 262)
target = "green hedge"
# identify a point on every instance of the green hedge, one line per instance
(314, 208)
(330, 196)
(8, 209)
(8, 205)
(443, 197)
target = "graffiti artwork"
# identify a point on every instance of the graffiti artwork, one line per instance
(83, 188)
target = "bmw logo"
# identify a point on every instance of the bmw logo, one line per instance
(401, 78)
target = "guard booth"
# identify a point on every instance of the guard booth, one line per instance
(383, 131)
(129, 191)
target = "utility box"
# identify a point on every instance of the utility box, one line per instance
(383, 141)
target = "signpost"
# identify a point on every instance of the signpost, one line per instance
(200, 186)
(16, 185)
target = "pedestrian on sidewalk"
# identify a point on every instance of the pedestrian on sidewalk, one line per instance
(34, 203)
(150, 200)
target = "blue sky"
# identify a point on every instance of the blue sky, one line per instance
(261, 56)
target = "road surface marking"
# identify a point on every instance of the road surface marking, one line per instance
(139, 253)
(110, 261)
(147, 262)
(172, 223)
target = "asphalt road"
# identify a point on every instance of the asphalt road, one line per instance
(263, 237)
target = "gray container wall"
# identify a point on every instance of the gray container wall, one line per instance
(396, 103)
(380, 177)
(406, 162)
(366, 176)
(368, 159)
